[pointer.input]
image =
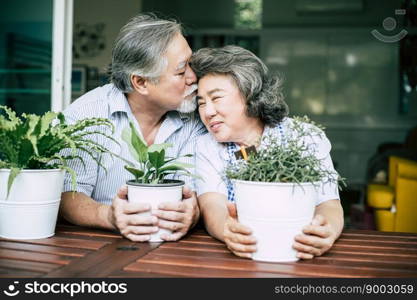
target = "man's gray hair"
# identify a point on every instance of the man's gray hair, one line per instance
(140, 49)
(262, 92)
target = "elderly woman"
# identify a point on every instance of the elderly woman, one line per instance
(239, 102)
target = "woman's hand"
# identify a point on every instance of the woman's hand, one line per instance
(316, 239)
(238, 237)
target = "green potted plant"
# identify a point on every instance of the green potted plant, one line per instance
(276, 188)
(33, 165)
(150, 169)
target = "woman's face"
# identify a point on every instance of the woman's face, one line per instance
(222, 108)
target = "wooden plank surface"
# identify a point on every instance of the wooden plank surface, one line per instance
(84, 252)
(355, 254)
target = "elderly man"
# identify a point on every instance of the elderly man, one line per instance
(153, 86)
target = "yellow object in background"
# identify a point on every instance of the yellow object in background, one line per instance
(395, 204)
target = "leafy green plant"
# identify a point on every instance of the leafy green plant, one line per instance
(37, 142)
(291, 160)
(153, 165)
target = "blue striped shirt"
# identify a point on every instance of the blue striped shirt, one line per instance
(178, 129)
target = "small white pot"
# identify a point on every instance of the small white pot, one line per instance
(276, 213)
(32, 185)
(28, 220)
(154, 194)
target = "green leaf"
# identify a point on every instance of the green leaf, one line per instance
(136, 172)
(175, 158)
(159, 147)
(33, 131)
(157, 158)
(183, 165)
(13, 173)
(136, 142)
(175, 167)
(46, 122)
(127, 137)
(61, 118)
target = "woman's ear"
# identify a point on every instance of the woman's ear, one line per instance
(140, 84)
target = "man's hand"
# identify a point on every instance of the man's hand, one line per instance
(316, 239)
(178, 216)
(124, 217)
(238, 237)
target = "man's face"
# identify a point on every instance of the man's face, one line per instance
(177, 83)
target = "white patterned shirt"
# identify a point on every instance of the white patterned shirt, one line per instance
(178, 129)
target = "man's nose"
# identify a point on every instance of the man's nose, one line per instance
(190, 76)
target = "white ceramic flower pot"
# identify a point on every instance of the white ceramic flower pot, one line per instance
(28, 220)
(154, 194)
(276, 213)
(31, 210)
(32, 185)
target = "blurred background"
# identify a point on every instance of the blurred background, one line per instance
(350, 65)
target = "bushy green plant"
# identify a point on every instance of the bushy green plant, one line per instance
(37, 142)
(290, 161)
(151, 165)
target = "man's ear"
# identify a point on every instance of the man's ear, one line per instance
(140, 84)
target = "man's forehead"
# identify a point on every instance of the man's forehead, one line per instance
(183, 60)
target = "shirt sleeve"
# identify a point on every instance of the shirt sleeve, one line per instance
(209, 166)
(328, 188)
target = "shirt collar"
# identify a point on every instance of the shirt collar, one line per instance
(118, 101)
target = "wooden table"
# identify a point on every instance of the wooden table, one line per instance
(80, 252)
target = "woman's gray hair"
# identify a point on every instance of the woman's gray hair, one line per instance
(264, 99)
(140, 50)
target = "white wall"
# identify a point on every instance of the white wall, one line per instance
(114, 14)
(277, 13)
(196, 13)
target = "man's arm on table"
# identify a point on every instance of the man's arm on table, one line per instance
(122, 216)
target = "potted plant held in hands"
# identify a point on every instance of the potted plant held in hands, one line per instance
(33, 165)
(150, 170)
(277, 186)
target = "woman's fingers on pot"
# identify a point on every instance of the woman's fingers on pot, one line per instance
(321, 230)
(236, 227)
(243, 254)
(309, 240)
(306, 249)
(302, 255)
(243, 239)
(241, 248)
(318, 220)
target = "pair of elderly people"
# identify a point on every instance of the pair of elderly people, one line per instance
(154, 77)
